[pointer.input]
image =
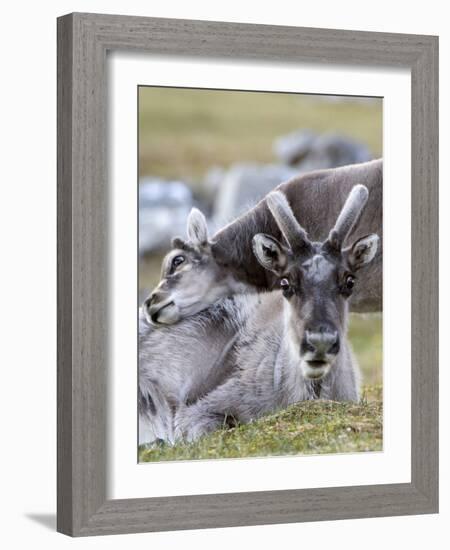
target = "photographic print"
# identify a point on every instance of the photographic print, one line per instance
(269, 309)
(260, 274)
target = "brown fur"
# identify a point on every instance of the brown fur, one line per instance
(316, 199)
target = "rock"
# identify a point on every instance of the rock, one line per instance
(242, 186)
(213, 179)
(307, 151)
(292, 148)
(163, 209)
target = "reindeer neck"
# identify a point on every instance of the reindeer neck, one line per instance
(233, 250)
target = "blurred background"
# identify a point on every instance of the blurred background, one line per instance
(222, 151)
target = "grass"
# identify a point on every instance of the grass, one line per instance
(366, 338)
(310, 427)
(182, 133)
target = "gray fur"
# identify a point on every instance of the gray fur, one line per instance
(179, 364)
(266, 376)
(227, 361)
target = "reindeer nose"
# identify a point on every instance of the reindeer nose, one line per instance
(148, 302)
(150, 299)
(146, 306)
(320, 342)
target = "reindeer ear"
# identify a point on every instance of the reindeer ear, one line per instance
(197, 230)
(362, 252)
(270, 253)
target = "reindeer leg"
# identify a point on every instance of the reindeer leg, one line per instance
(155, 416)
(209, 413)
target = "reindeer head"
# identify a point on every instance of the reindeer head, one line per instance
(316, 278)
(191, 279)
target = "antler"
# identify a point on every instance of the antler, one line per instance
(350, 213)
(292, 231)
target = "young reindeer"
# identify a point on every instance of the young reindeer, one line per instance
(293, 346)
(181, 362)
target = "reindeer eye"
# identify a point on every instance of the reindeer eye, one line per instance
(349, 282)
(284, 284)
(177, 261)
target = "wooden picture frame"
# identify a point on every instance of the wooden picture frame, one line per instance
(83, 42)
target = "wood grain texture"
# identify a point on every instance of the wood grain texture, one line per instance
(64, 198)
(425, 273)
(83, 42)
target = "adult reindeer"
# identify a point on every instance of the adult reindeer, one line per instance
(226, 265)
(294, 347)
(254, 353)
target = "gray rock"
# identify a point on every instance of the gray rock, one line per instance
(163, 210)
(242, 186)
(292, 148)
(308, 151)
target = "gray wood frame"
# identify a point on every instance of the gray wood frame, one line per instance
(83, 42)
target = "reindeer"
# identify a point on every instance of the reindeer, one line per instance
(230, 353)
(294, 345)
(226, 265)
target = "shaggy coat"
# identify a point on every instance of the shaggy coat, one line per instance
(231, 362)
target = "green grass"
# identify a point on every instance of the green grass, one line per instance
(366, 338)
(310, 427)
(183, 133)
